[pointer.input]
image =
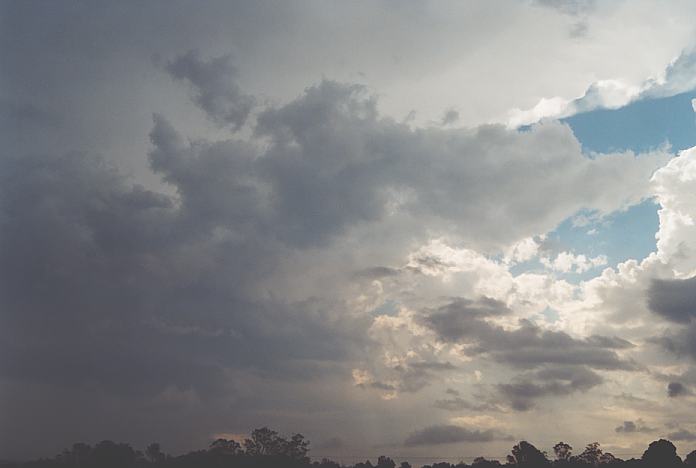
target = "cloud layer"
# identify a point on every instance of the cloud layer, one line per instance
(211, 223)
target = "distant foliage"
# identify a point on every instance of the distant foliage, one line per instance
(266, 448)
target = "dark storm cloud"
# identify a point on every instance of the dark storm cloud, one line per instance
(18, 117)
(89, 263)
(681, 342)
(455, 319)
(562, 364)
(131, 292)
(447, 434)
(674, 300)
(677, 389)
(215, 88)
(528, 346)
(526, 388)
(165, 290)
(629, 427)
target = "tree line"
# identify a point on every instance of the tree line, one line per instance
(266, 448)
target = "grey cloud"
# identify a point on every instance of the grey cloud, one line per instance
(377, 272)
(382, 386)
(570, 7)
(579, 29)
(640, 404)
(627, 426)
(448, 434)
(682, 435)
(609, 342)
(353, 165)
(217, 182)
(454, 320)
(215, 87)
(119, 270)
(673, 299)
(410, 377)
(416, 375)
(433, 365)
(553, 381)
(630, 427)
(424, 261)
(460, 404)
(677, 389)
(681, 342)
(528, 346)
(451, 116)
(17, 117)
(173, 291)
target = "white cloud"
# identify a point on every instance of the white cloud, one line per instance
(675, 189)
(568, 262)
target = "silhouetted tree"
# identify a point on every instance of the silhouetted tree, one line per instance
(385, 462)
(480, 462)
(78, 456)
(367, 464)
(108, 454)
(607, 458)
(267, 449)
(525, 454)
(562, 451)
(661, 453)
(265, 442)
(690, 459)
(326, 463)
(591, 455)
(296, 448)
(441, 465)
(154, 454)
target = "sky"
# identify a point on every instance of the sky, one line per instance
(413, 228)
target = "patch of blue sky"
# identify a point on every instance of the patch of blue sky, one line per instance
(620, 236)
(641, 126)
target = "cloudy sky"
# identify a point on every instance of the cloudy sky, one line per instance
(412, 228)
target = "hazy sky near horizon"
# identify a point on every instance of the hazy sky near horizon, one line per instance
(410, 228)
